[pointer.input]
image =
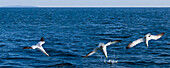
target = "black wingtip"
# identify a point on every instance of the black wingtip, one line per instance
(27, 47)
(118, 40)
(163, 33)
(42, 39)
(127, 47)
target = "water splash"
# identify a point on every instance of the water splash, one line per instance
(110, 61)
(107, 61)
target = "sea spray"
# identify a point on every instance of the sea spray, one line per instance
(110, 61)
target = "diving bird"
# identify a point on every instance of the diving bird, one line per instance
(145, 39)
(101, 47)
(38, 46)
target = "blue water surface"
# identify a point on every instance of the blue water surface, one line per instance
(71, 33)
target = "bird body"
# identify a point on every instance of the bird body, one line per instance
(145, 39)
(38, 46)
(101, 47)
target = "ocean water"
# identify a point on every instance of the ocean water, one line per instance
(71, 33)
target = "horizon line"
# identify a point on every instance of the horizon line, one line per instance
(81, 6)
(102, 6)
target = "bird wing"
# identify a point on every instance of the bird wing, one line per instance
(104, 51)
(109, 43)
(135, 43)
(155, 37)
(43, 51)
(92, 52)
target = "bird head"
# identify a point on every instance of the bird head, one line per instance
(148, 35)
(42, 39)
(101, 44)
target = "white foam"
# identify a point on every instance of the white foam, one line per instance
(110, 61)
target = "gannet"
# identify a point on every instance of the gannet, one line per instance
(38, 46)
(101, 47)
(145, 39)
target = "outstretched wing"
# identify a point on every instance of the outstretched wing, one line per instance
(92, 52)
(109, 43)
(155, 37)
(43, 51)
(104, 51)
(135, 43)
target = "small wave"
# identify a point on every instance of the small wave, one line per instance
(63, 65)
(6, 66)
(164, 55)
(122, 37)
(65, 53)
(112, 18)
(18, 58)
(103, 34)
(143, 63)
(2, 45)
(70, 55)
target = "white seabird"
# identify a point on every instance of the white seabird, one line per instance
(38, 46)
(101, 47)
(145, 39)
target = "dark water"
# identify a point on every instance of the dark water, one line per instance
(70, 33)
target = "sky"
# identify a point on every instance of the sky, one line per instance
(87, 3)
